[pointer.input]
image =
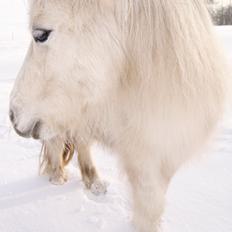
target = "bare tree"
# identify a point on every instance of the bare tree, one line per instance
(223, 15)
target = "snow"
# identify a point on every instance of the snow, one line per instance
(199, 198)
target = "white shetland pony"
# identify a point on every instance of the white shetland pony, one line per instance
(143, 77)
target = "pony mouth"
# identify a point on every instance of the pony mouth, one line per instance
(33, 132)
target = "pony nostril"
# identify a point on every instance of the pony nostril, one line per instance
(12, 116)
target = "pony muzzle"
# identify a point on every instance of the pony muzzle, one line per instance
(32, 131)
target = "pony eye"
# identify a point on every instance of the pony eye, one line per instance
(41, 35)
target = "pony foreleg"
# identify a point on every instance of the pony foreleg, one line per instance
(149, 186)
(89, 174)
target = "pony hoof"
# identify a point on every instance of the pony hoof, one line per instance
(58, 180)
(98, 187)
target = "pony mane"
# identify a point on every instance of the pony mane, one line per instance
(176, 36)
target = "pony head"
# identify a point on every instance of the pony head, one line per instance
(70, 65)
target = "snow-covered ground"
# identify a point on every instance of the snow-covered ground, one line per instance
(199, 198)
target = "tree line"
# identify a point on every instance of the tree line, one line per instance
(221, 15)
